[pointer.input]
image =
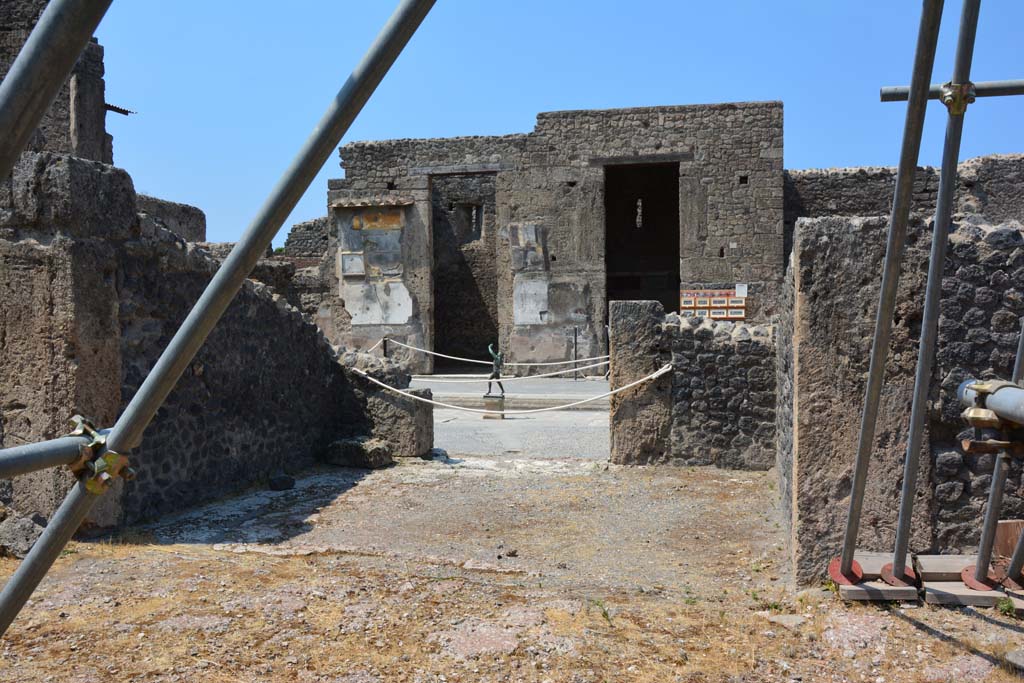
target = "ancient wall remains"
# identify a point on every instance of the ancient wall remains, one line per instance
(76, 121)
(308, 239)
(106, 291)
(717, 406)
(187, 222)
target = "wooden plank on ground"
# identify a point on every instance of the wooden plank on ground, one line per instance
(877, 590)
(871, 563)
(943, 567)
(956, 593)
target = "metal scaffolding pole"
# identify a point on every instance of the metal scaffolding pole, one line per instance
(41, 68)
(896, 573)
(39, 456)
(127, 432)
(899, 93)
(844, 569)
(1018, 363)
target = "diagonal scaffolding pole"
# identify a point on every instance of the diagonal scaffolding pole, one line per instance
(896, 573)
(40, 70)
(844, 568)
(127, 431)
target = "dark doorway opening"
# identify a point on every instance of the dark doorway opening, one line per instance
(465, 276)
(641, 212)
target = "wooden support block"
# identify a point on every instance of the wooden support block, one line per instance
(494, 403)
(877, 590)
(1007, 533)
(871, 563)
(956, 593)
(943, 567)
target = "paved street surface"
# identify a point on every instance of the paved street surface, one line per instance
(560, 434)
(479, 568)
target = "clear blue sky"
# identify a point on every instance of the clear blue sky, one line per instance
(227, 90)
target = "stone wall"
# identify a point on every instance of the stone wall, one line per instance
(837, 276)
(187, 222)
(465, 276)
(76, 121)
(716, 407)
(105, 293)
(308, 239)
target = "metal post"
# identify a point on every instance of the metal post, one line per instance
(977, 577)
(62, 526)
(897, 573)
(39, 456)
(899, 93)
(384, 347)
(127, 432)
(575, 351)
(844, 569)
(1018, 363)
(41, 68)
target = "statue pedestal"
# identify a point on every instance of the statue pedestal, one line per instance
(492, 402)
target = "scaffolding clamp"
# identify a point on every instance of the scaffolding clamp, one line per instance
(96, 462)
(956, 97)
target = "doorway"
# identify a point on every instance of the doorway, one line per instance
(642, 233)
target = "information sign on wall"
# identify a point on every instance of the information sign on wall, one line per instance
(719, 304)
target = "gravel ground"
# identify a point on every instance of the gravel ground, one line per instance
(479, 569)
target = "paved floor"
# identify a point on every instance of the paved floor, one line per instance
(542, 386)
(569, 434)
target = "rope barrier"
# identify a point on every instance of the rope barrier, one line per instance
(487, 362)
(483, 378)
(379, 342)
(658, 373)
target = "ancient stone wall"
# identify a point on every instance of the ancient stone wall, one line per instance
(187, 222)
(836, 294)
(717, 406)
(723, 393)
(308, 239)
(465, 274)
(76, 121)
(107, 291)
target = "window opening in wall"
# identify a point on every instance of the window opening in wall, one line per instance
(468, 221)
(721, 252)
(744, 179)
(642, 264)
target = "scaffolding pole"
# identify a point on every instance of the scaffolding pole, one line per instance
(844, 569)
(897, 572)
(127, 431)
(899, 93)
(39, 456)
(40, 70)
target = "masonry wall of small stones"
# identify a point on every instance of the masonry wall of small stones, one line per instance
(93, 294)
(308, 239)
(715, 407)
(76, 121)
(187, 222)
(836, 290)
(465, 278)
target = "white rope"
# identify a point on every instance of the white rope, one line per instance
(379, 342)
(487, 362)
(483, 378)
(664, 369)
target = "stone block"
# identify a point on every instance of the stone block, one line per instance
(360, 452)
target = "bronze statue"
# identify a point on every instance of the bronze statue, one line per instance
(499, 360)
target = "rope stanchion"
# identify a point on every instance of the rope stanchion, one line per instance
(483, 378)
(480, 411)
(487, 362)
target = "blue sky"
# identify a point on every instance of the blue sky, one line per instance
(227, 91)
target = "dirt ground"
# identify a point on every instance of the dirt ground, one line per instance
(479, 569)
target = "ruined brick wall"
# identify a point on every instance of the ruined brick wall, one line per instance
(465, 274)
(76, 121)
(837, 279)
(187, 222)
(308, 239)
(716, 407)
(785, 400)
(105, 293)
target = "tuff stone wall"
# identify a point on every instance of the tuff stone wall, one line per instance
(187, 222)
(76, 121)
(836, 291)
(106, 291)
(716, 407)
